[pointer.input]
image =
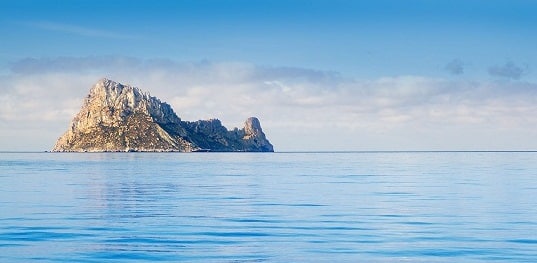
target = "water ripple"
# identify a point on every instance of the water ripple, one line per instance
(281, 207)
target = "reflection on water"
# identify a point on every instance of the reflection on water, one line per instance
(273, 207)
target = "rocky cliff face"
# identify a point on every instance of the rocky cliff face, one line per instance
(118, 117)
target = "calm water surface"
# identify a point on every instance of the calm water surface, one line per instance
(269, 207)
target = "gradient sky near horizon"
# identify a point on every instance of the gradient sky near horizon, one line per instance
(321, 75)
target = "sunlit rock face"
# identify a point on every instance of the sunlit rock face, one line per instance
(117, 117)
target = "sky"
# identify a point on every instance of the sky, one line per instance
(321, 75)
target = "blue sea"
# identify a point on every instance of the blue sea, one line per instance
(269, 207)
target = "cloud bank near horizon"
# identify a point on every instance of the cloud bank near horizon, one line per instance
(300, 109)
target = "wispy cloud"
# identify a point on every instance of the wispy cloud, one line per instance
(299, 108)
(509, 70)
(455, 67)
(78, 30)
(74, 64)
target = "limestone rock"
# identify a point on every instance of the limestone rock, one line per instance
(254, 136)
(117, 117)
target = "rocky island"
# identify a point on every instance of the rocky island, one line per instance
(122, 118)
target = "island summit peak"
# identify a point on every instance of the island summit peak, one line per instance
(121, 118)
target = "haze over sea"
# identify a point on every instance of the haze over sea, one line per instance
(269, 207)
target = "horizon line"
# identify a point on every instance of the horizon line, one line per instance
(312, 151)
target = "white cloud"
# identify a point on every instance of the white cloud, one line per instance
(300, 109)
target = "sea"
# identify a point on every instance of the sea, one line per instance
(269, 207)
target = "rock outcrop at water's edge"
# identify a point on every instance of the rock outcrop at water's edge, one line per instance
(117, 117)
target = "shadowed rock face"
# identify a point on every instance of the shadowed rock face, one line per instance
(118, 117)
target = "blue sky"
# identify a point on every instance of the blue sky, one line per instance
(359, 38)
(378, 75)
